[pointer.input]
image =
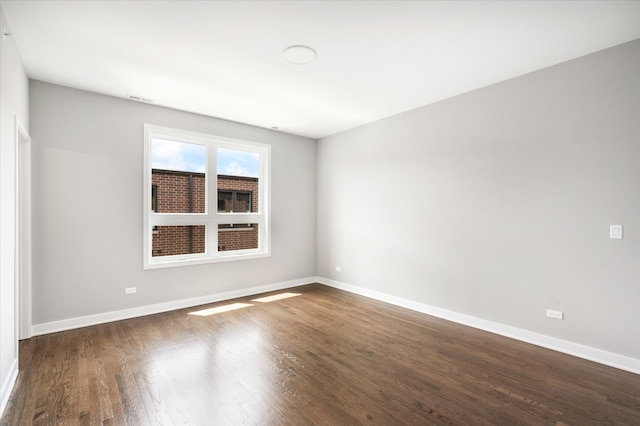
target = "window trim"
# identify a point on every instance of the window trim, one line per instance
(211, 218)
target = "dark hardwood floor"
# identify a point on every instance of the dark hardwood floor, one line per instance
(325, 357)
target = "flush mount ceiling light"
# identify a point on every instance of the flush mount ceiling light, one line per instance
(300, 55)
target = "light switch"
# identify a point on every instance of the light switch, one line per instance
(615, 232)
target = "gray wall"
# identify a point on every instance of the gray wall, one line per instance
(87, 208)
(14, 99)
(497, 203)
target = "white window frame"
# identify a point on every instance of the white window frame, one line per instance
(211, 218)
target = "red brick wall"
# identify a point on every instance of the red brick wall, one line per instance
(172, 240)
(173, 196)
(239, 239)
(173, 191)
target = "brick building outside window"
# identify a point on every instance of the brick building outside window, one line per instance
(185, 192)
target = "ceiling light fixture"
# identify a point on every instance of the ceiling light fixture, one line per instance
(300, 55)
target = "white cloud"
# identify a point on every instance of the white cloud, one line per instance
(238, 163)
(234, 169)
(170, 155)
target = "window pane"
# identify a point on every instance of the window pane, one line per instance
(178, 240)
(237, 237)
(243, 202)
(238, 173)
(225, 201)
(178, 174)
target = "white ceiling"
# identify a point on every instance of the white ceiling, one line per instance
(375, 59)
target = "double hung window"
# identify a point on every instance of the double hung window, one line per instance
(206, 198)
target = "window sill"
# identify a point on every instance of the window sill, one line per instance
(177, 261)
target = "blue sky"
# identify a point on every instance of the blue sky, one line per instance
(238, 163)
(190, 157)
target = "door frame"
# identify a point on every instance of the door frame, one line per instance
(23, 232)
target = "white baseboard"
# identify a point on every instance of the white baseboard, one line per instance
(581, 351)
(7, 386)
(592, 354)
(78, 322)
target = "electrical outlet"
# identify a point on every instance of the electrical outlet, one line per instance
(338, 269)
(615, 232)
(130, 290)
(555, 314)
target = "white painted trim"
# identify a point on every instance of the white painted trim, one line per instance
(78, 322)
(211, 218)
(7, 386)
(23, 232)
(611, 359)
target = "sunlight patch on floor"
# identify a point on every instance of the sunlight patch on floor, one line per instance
(275, 297)
(220, 309)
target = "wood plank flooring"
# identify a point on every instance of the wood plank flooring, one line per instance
(325, 357)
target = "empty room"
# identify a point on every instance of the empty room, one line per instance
(426, 212)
